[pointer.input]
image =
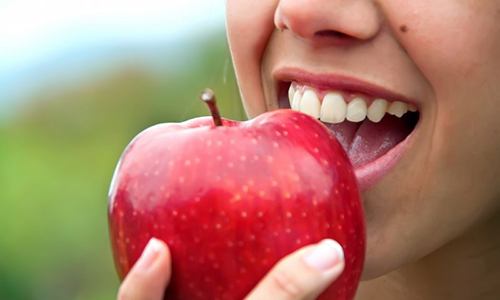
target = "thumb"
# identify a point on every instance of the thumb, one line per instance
(150, 275)
(304, 274)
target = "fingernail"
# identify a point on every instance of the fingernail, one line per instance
(325, 255)
(150, 254)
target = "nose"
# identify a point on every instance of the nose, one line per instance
(333, 20)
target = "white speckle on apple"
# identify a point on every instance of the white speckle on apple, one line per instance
(197, 160)
(251, 182)
(197, 199)
(262, 193)
(276, 145)
(218, 226)
(230, 165)
(342, 216)
(255, 157)
(155, 226)
(289, 214)
(316, 150)
(181, 179)
(260, 214)
(243, 158)
(219, 143)
(339, 227)
(183, 217)
(267, 250)
(134, 213)
(295, 119)
(127, 241)
(121, 234)
(175, 213)
(285, 133)
(236, 198)
(230, 244)
(315, 202)
(270, 159)
(252, 237)
(298, 241)
(254, 141)
(288, 230)
(244, 214)
(304, 214)
(275, 234)
(287, 195)
(218, 157)
(232, 142)
(121, 213)
(296, 126)
(170, 163)
(337, 191)
(274, 183)
(187, 163)
(156, 173)
(209, 143)
(277, 133)
(327, 226)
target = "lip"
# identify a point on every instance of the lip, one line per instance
(370, 173)
(326, 81)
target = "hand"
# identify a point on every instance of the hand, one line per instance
(301, 275)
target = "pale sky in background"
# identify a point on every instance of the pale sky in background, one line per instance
(43, 40)
(34, 30)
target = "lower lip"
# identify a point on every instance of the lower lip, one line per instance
(368, 175)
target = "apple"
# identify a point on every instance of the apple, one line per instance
(231, 198)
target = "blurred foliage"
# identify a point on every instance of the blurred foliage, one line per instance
(57, 155)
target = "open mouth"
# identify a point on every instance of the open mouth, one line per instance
(372, 129)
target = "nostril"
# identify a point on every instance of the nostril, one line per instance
(333, 34)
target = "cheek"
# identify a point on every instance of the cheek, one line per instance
(249, 26)
(451, 41)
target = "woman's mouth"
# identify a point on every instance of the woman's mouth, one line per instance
(374, 128)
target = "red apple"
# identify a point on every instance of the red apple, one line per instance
(231, 200)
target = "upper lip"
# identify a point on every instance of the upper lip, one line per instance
(332, 81)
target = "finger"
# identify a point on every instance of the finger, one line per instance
(302, 275)
(149, 277)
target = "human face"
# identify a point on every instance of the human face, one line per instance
(441, 56)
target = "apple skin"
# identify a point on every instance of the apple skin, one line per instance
(230, 201)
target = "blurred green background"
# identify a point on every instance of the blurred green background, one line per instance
(63, 126)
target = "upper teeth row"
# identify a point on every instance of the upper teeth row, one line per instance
(334, 109)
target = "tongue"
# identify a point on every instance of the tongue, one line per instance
(366, 142)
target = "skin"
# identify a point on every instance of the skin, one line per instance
(433, 222)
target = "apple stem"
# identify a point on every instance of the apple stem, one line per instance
(208, 96)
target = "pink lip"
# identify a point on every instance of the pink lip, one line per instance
(338, 82)
(370, 173)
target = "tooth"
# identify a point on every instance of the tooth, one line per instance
(297, 97)
(377, 110)
(291, 93)
(412, 108)
(356, 110)
(310, 104)
(397, 109)
(333, 108)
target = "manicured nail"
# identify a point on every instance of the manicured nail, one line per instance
(150, 254)
(325, 255)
